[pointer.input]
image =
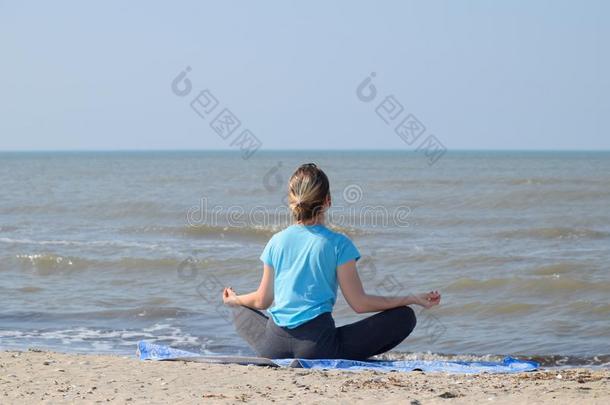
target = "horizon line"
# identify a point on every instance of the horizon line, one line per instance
(285, 150)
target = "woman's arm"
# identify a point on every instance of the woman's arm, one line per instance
(361, 302)
(259, 299)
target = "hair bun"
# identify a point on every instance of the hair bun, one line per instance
(308, 190)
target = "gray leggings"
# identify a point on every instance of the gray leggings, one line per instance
(320, 339)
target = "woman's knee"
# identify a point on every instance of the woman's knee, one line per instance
(406, 319)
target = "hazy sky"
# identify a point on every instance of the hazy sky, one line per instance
(477, 74)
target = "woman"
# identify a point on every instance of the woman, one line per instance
(302, 266)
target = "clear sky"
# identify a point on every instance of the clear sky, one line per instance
(477, 74)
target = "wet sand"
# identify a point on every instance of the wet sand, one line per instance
(47, 377)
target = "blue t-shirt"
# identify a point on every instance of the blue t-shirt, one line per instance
(305, 260)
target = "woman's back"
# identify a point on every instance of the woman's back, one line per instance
(305, 260)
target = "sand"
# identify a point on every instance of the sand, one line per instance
(47, 377)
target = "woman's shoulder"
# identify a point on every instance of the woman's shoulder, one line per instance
(282, 234)
(337, 235)
(337, 231)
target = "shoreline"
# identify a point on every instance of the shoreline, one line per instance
(43, 376)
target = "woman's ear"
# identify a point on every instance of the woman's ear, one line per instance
(328, 201)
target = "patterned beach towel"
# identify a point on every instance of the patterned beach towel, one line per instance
(150, 351)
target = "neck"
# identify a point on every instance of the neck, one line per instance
(318, 220)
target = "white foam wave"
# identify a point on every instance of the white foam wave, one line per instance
(98, 340)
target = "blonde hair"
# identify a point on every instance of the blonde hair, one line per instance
(308, 189)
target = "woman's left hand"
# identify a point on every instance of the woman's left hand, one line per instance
(229, 297)
(427, 300)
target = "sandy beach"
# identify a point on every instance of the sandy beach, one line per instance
(47, 377)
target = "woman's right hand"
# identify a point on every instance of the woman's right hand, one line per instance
(229, 297)
(427, 300)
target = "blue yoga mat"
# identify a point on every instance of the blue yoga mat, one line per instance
(150, 351)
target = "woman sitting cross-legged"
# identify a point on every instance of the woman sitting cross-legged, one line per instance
(302, 266)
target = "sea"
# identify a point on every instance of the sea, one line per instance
(99, 250)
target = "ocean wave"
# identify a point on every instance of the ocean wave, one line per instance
(230, 231)
(465, 283)
(554, 233)
(200, 231)
(91, 243)
(540, 181)
(146, 313)
(252, 231)
(49, 208)
(256, 232)
(483, 260)
(117, 209)
(488, 309)
(537, 285)
(602, 360)
(411, 356)
(537, 181)
(509, 308)
(48, 263)
(130, 209)
(30, 289)
(556, 269)
(99, 340)
(141, 263)
(590, 307)
(558, 360)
